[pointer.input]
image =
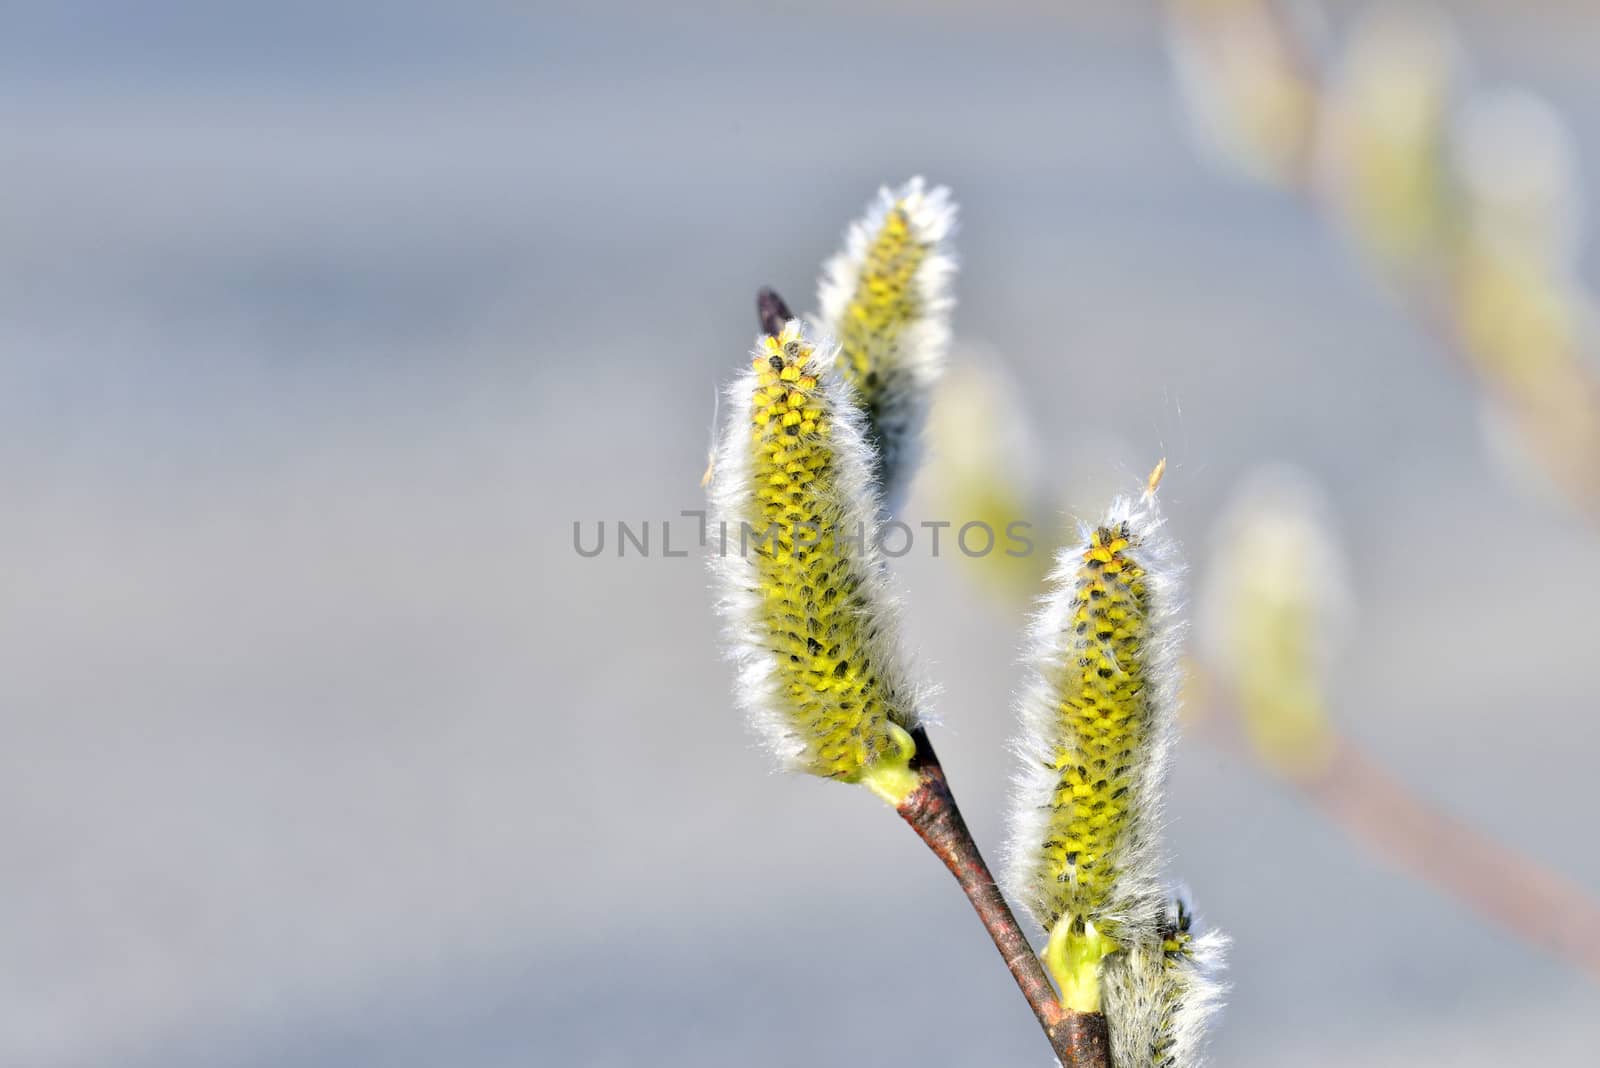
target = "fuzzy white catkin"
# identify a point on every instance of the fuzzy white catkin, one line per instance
(1275, 605)
(1384, 155)
(887, 299)
(1161, 994)
(809, 617)
(1098, 720)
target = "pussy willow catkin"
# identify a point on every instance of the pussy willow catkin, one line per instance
(1161, 991)
(809, 617)
(886, 299)
(1386, 152)
(1097, 724)
(1274, 602)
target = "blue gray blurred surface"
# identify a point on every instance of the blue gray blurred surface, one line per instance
(320, 325)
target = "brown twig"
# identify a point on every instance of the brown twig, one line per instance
(1079, 1039)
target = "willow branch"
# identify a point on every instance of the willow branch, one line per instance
(1500, 884)
(1569, 456)
(1386, 815)
(1079, 1039)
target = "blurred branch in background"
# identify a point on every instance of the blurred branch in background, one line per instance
(1274, 603)
(1464, 201)
(1273, 608)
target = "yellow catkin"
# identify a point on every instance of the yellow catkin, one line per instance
(1107, 723)
(1274, 599)
(1097, 725)
(810, 618)
(1388, 141)
(1516, 296)
(884, 303)
(1518, 321)
(981, 469)
(1520, 313)
(885, 299)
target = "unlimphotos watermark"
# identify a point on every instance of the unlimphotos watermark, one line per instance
(893, 538)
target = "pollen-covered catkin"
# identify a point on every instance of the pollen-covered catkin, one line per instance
(1161, 991)
(1097, 724)
(886, 298)
(809, 617)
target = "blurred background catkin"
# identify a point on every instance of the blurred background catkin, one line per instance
(322, 323)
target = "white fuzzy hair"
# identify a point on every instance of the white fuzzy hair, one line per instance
(737, 585)
(1134, 902)
(1155, 1001)
(904, 389)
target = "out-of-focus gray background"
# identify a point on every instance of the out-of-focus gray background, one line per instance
(320, 325)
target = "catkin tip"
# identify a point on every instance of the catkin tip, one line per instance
(771, 310)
